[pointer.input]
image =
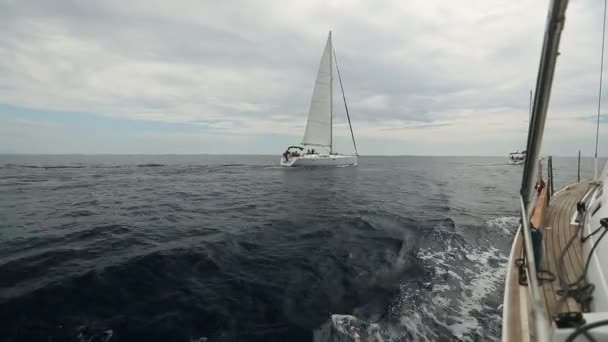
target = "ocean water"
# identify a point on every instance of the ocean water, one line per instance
(235, 248)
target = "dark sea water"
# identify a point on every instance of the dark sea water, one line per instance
(235, 248)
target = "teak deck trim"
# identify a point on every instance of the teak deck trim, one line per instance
(554, 222)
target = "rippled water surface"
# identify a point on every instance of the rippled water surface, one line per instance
(235, 248)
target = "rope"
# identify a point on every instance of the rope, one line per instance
(541, 275)
(584, 329)
(579, 290)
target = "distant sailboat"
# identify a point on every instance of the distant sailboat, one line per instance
(519, 157)
(319, 127)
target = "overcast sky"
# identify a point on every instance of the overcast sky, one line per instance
(421, 77)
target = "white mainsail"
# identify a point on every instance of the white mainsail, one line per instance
(318, 128)
(320, 119)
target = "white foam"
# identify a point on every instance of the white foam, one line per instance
(359, 330)
(452, 302)
(474, 286)
(455, 307)
(200, 339)
(347, 325)
(505, 225)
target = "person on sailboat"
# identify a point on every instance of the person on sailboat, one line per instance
(539, 187)
(286, 155)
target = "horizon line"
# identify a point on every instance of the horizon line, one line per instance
(261, 154)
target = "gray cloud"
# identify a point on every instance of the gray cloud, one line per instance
(452, 68)
(593, 118)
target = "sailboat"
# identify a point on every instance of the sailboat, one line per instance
(318, 141)
(556, 286)
(519, 157)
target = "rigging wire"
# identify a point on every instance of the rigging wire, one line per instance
(599, 100)
(344, 98)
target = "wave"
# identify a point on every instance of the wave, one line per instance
(234, 165)
(504, 225)
(93, 166)
(454, 300)
(45, 166)
(244, 252)
(78, 213)
(150, 165)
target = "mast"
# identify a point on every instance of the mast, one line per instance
(331, 97)
(599, 100)
(546, 69)
(544, 82)
(345, 106)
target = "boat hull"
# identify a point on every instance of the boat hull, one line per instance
(320, 160)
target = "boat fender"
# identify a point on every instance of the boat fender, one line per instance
(537, 250)
(537, 246)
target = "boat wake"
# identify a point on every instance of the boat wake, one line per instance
(455, 299)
